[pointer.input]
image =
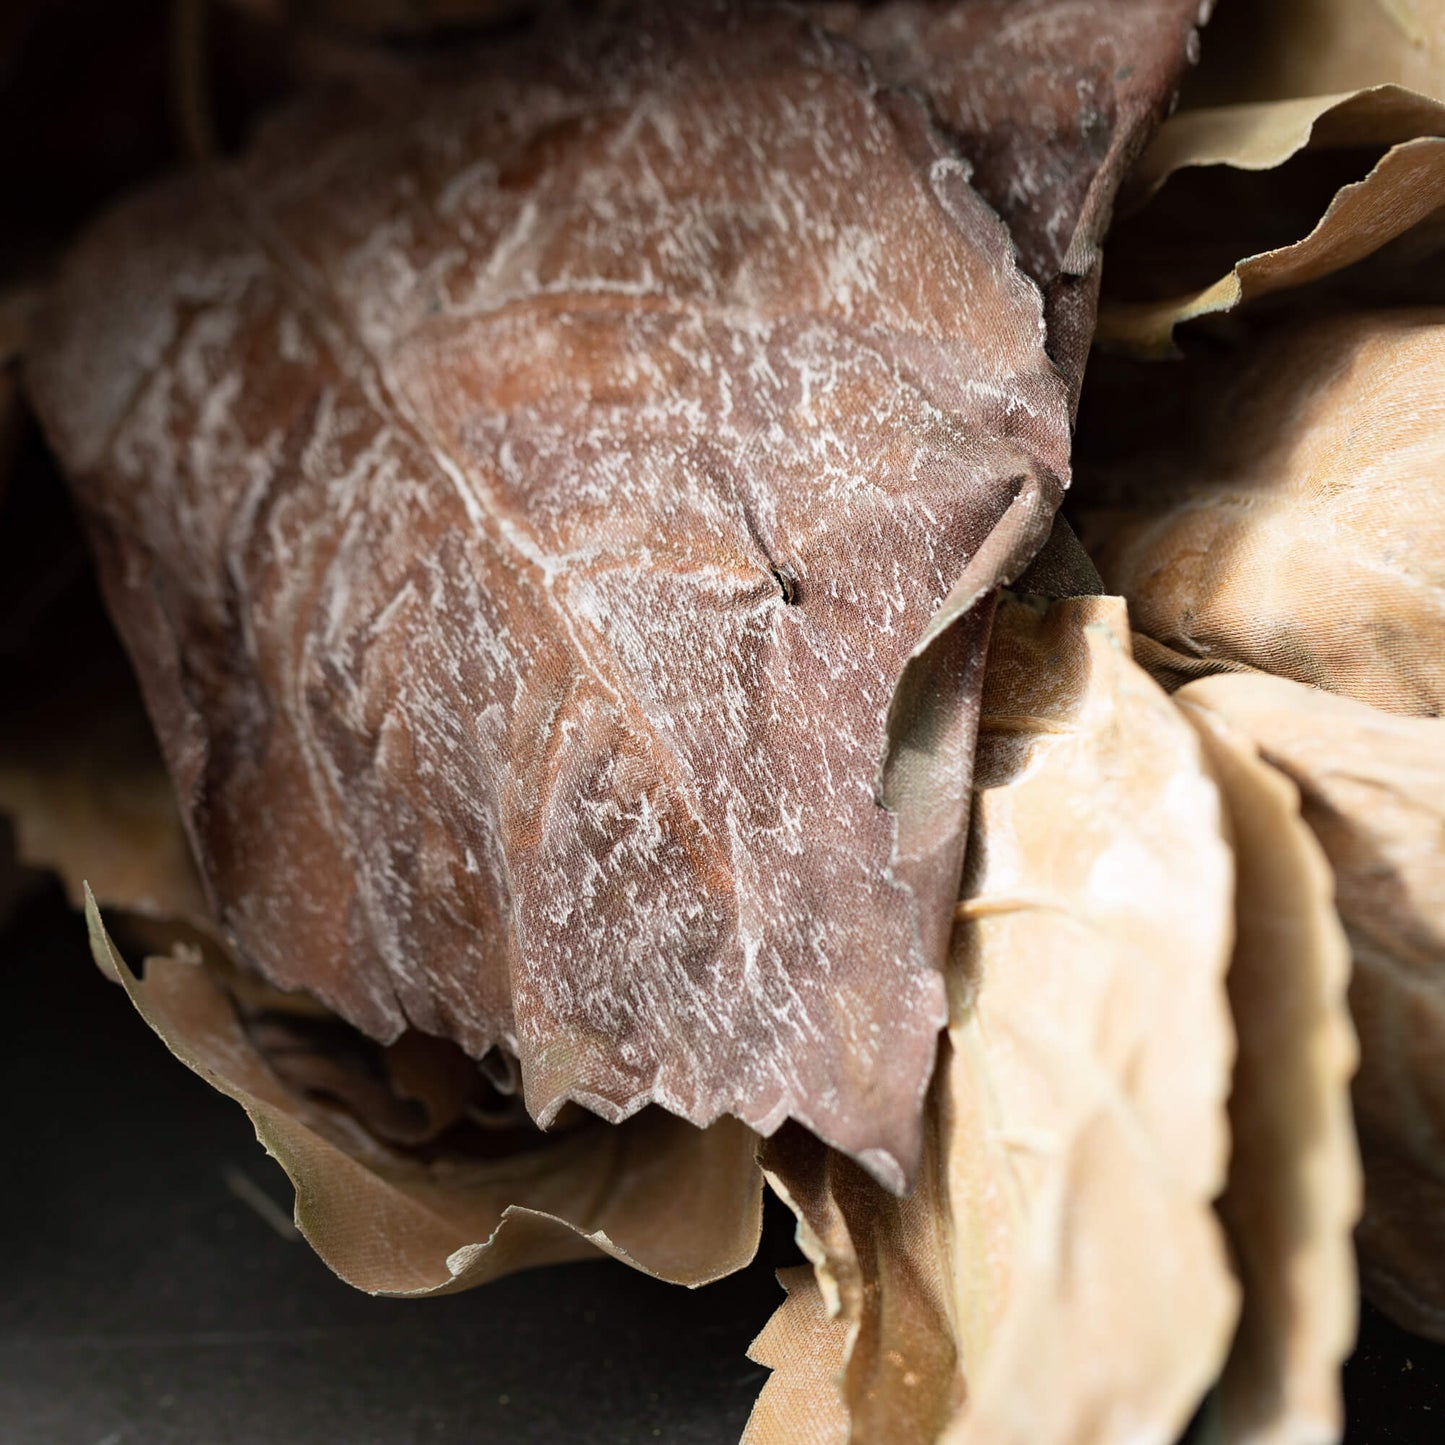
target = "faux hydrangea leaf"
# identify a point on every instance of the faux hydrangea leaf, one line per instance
(1294, 1188)
(1373, 791)
(1212, 242)
(1310, 92)
(1283, 509)
(521, 497)
(804, 1347)
(675, 1201)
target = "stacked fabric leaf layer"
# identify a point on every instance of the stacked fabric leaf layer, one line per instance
(635, 729)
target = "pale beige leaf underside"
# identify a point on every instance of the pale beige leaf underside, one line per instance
(655, 1192)
(1293, 521)
(1318, 47)
(1403, 190)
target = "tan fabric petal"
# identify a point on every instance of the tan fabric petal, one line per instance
(805, 1348)
(1384, 200)
(1373, 791)
(675, 1201)
(1294, 1171)
(1287, 512)
(1032, 1287)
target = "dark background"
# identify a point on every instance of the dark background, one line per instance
(142, 1302)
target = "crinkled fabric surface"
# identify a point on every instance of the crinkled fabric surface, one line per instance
(523, 498)
(1051, 102)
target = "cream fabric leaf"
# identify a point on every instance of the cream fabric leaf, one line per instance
(1386, 199)
(1294, 1171)
(1288, 514)
(1373, 791)
(1316, 47)
(1079, 1107)
(805, 1348)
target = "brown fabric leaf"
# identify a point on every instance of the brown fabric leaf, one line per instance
(1286, 510)
(1294, 1170)
(1373, 791)
(521, 497)
(1031, 1288)
(678, 1202)
(1051, 102)
(1218, 239)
